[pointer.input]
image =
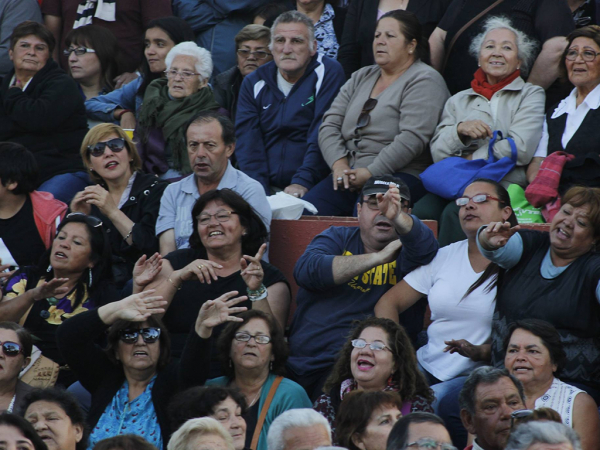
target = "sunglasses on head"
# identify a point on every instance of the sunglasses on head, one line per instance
(11, 348)
(91, 220)
(130, 336)
(115, 145)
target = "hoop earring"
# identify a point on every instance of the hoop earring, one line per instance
(49, 269)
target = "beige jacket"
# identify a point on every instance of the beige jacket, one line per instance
(519, 114)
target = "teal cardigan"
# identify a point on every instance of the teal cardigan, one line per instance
(289, 395)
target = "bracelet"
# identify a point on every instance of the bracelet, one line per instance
(173, 284)
(259, 294)
(123, 111)
(129, 234)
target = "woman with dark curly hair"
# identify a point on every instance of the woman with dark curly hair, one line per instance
(253, 354)
(57, 419)
(226, 246)
(366, 418)
(378, 356)
(18, 433)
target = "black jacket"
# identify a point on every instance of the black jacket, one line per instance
(142, 208)
(103, 379)
(226, 89)
(48, 118)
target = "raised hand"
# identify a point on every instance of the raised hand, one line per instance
(390, 252)
(497, 234)
(97, 195)
(138, 307)
(252, 272)
(78, 204)
(52, 288)
(468, 350)
(215, 312)
(202, 269)
(146, 269)
(390, 203)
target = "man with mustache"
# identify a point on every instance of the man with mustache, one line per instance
(345, 270)
(280, 108)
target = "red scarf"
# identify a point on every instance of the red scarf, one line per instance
(482, 87)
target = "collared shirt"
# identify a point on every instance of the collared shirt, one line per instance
(179, 198)
(575, 116)
(13, 80)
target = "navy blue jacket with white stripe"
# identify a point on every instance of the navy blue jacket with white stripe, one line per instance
(277, 137)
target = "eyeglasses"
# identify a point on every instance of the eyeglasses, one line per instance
(115, 145)
(430, 444)
(259, 54)
(130, 336)
(258, 338)
(376, 346)
(374, 206)
(221, 216)
(91, 220)
(11, 348)
(478, 198)
(365, 115)
(588, 55)
(184, 74)
(79, 51)
(518, 415)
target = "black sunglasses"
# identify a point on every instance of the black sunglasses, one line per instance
(130, 336)
(93, 221)
(365, 114)
(115, 145)
(11, 348)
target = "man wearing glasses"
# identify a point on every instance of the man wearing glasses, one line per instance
(280, 108)
(345, 270)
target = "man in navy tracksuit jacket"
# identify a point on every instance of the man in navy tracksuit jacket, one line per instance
(277, 133)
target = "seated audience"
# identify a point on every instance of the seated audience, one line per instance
(377, 356)
(16, 432)
(11, 15)
(57, 418)
(28, 218)
(534, 353)
(226, 405)
(132, 381)
(73, 276)
(460, 287)
(570, 125)
(421, 430)
(356, 46)
(281, 106)
(383, 118)
(17, 343)
(329, 24)
(169, 104)
(93, 57)
(487, 399)
(547, 21)
(210, 140)
(124, 442)
(345, 271)
(226, 247)
(253, 352)
(202, 434)
(252, 50)
(514, 107)
(123, 105)
(366, 418)
(299, 429)
(125, 199)
(41, 108)
(543, 436)
(125, 19)
(553, 277)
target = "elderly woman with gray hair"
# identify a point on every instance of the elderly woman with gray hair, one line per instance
(169, 103)
(201, 433)
(543, 436)
(499, 99)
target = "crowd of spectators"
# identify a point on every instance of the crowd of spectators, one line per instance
(140, 142)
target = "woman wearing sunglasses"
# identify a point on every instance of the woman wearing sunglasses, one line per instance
(73, 276)
(16, 343)
(133, 379)
(92, 53)
(383, 118)
(125, 199)
(460, 286)
(378, 356)
(253, 353)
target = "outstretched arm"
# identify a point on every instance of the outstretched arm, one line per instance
(397, 300)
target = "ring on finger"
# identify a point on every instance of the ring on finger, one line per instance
(339, 179)
(201, 266)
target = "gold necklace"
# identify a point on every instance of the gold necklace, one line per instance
(255, 398)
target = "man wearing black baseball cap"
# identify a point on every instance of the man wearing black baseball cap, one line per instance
(345, 270)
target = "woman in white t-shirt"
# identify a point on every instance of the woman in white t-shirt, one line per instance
(461, 287)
